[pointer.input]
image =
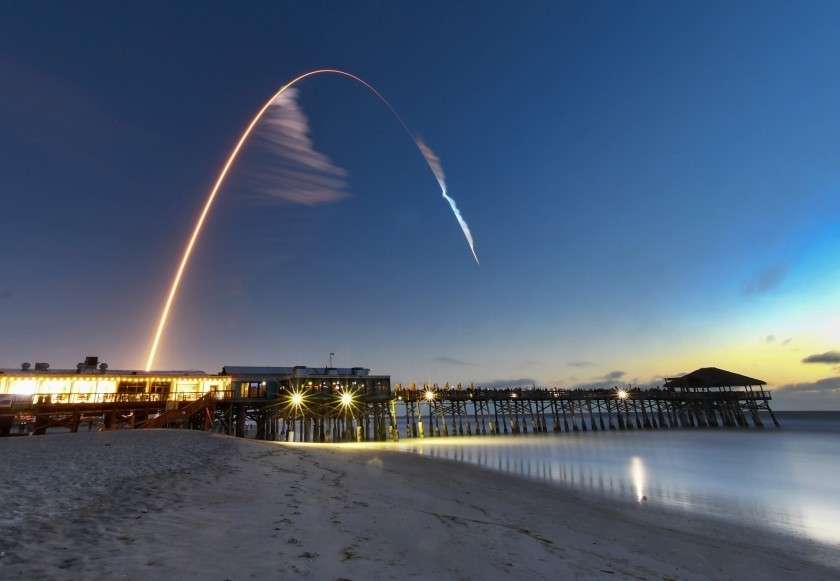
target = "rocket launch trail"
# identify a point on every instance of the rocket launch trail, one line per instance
(431, 160)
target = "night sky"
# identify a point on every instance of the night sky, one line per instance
(653, 187)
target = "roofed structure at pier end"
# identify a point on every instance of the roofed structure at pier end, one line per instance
(711, 378)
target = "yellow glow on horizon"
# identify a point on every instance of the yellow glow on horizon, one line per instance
(774, 363)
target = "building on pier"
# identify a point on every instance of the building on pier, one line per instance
(270, 382)
(93, 382)
(37, 398)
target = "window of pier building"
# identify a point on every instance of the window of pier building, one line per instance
(161, 389)
(254, 389)
(131, 387)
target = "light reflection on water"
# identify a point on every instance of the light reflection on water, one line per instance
(786, 480)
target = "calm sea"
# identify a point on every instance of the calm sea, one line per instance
(786, 479)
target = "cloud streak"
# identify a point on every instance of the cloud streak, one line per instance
(434, 163)
(298, 173)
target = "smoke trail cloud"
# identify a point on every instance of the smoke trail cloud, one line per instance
(434, 164)
(297, 173)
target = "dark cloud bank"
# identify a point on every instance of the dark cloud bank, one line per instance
(829, 357)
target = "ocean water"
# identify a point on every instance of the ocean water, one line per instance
(785, 479)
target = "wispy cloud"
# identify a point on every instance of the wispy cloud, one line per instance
(829, 357)
(613, 375)
(580, 364)
(297, 172)
(453, 361)
(787, 341)
(766, 280)
(770, 339)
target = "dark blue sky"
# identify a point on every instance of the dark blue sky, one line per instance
(652, 187)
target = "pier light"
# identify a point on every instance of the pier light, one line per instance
(346, 399)
(430, 395)
(622, 394)
(296, 399)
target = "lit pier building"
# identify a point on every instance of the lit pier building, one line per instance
(93, 382)
(37, 398)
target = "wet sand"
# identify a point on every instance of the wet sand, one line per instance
(190, 505)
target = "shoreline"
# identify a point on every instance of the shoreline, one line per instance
(191, 505)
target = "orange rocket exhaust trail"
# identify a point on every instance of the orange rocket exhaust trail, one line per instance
(188, 249)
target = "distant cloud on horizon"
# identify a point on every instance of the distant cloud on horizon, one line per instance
(580, 363)
(766, 280)
(505, 383)
(823, 394)
(826, 385)
(609, 380)
(453, 361)
(829, 357)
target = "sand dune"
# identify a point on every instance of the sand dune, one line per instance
(189, 505)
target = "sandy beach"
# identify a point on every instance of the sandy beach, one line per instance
(190, 505)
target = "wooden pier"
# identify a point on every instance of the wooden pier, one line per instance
(434, 412)
(707, 398)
